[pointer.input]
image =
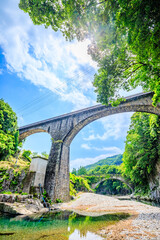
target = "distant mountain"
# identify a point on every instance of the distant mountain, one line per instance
(114, 160)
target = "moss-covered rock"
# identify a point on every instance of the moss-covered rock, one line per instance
(13, 174)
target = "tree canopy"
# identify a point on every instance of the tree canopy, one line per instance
(81, 171)
(8, 130)
(104, 170)
(125, 39)
(142, 150)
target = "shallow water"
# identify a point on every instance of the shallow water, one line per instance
(63, 225)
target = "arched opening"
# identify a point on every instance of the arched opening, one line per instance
(38, 143)
(100, 139)
(102, 111)
(35, 150)
(90, 147)
(27, 133)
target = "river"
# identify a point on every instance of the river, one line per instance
(58, 225)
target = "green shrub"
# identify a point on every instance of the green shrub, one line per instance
(6, 192)
(23, 193)
(78, 183)
(26, 154)
(58, 200)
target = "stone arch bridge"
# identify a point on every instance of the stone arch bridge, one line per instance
(114, 177)
(65, 128)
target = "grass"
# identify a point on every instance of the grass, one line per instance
(21, 164)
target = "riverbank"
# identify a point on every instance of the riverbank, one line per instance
(144, 222)
(16, 204)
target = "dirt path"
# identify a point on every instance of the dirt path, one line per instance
(144, 222)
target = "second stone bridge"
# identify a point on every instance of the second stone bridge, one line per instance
(65, 127)
(113, 177)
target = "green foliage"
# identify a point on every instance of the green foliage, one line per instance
(11, 175)
(34, 154)
(81, 171)
(23, 193)
(58, 200)
(127, 49)
(113, 187)
(8, 131)
(92, 179)
(44, 193)
(114, 160)
(109, 186)
(44, 154)
(74, 171)
(125, 39)
(56, 141)
(14, 182)
(27, 155)
(6, 192)
(78, 184)
(104, 170)
(142, 150)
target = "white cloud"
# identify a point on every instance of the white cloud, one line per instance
(79, 51)
(115, 126)
(116, 150)
(85, 146)
(78, 99)
(44, 57)
(91, 137)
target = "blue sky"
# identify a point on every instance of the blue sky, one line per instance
(42, 76)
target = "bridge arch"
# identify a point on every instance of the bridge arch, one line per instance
(30, 132)
(115, 177)
(39, 142)
(115, 110)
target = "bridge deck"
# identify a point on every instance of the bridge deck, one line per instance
(132, 97)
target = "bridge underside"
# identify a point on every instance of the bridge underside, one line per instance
(30, 132)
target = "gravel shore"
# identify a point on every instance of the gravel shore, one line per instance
(144, 222)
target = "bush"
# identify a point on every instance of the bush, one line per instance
(78, 184)
(8, 131)
(26, 154)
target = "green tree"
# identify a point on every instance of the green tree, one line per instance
(45, 154)
(112, 187)
(74, 171)
(128, 50)
(27, 155)
(34, 154)
(125, 39)
(81, 171)
(142, 150)
(105, 169)
(8, 130)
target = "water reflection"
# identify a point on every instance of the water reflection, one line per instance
(56, 226)
(88, 236)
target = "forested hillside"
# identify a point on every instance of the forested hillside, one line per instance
(114, 160)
